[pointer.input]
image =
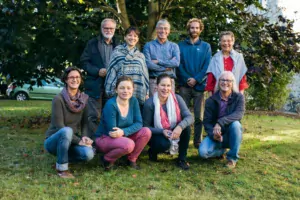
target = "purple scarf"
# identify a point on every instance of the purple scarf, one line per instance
(75, 103)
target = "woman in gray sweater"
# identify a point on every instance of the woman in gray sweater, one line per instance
(69, 118)
(169, 120)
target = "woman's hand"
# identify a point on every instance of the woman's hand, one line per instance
(176, 133)
(116, 133)
(86, 141)
(166, 133)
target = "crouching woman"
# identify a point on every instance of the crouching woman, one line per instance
(69, 118)
(120, 131)
(168, 117)
(223, 112)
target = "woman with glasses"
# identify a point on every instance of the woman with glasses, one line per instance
(127, 60)
(227, 60)
(69, 119)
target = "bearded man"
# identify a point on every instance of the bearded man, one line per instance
(195, 55)
(94, 61)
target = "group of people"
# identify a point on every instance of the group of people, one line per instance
(141, 108)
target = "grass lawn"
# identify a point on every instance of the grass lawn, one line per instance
(269, 167)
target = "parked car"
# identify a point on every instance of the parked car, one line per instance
(45, 92)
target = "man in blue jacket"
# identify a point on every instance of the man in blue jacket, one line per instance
(94, 61)
(195, 55)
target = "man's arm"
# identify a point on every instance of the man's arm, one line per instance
(209, 121)
(85, 61)
(200, 76)
(237, 114)
(182, 72)
(151, 65)
(174, 61)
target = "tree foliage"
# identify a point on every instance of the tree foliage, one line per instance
(40, 38)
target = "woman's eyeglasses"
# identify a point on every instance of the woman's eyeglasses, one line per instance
(74, 77)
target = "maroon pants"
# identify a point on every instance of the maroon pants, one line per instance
(114, 148)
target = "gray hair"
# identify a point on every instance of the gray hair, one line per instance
(163, 21)
(108, 20)
(234, 83)
(230, 33)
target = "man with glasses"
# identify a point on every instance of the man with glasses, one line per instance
(195, 56)
(223, 113)
(162, 56)
(94, 61)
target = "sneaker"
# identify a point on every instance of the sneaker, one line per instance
(65, 174)
(183, 164)
(133, 165)
(107, 165)
(230, 164)
(197, 144)
(152, 156)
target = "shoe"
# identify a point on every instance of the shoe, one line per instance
(152, 156)
(133, 165)
(197, 144)
(221, 157)
(107, 165)
(183, 164)
(230, 164)
(65, 174)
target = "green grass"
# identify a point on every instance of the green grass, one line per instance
(268, 169)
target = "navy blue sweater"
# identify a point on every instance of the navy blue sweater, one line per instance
(194, 61)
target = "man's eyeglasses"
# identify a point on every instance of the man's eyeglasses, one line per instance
(108, 29)
(226, 80)
(163, 28)
(74, 77)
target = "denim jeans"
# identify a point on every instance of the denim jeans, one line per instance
(232, 139)
(198, 100)
(59, 144)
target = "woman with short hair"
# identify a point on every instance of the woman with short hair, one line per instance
(127, 60)
(227, 60)
(69, 118)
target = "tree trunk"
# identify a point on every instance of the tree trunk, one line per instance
(153, 13)
(121, 6)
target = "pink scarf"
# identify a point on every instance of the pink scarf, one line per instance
(164, 117)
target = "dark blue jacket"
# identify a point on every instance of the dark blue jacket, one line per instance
(234, 112)
(91, 63)
(194, 61)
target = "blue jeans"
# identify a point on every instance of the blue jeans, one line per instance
(59, 144)
(232, 139)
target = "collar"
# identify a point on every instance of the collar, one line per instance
(188, 40)
(161, 43)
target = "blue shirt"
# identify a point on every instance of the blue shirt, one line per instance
(167, 54)
(111, 117)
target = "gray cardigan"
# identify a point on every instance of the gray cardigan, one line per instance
(62, 117)
(148, 115)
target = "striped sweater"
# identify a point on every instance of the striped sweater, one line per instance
(125, 62)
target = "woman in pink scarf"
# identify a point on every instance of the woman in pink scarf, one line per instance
(168, 117)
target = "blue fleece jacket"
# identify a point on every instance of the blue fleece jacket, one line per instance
(194, 61)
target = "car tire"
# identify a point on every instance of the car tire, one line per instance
(21, 96)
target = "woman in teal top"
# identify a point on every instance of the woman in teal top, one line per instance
(120, 131)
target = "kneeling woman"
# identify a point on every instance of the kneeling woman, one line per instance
(168, 117)
(69, 112)
(120, 131)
